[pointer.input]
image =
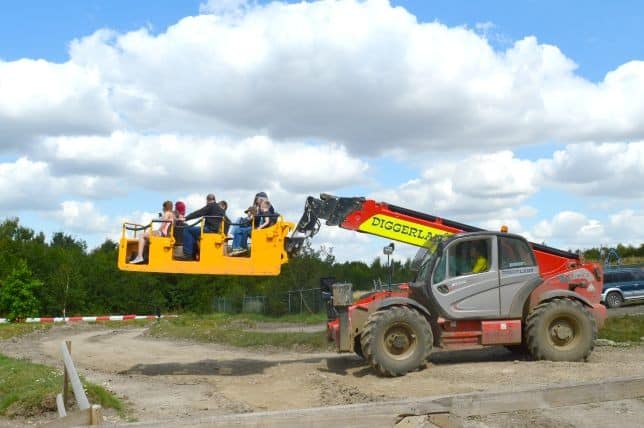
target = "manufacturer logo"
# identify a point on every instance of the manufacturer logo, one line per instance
(401, 230)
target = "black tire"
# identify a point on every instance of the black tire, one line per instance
(614, 300)
(520, 349)
(357, 347)
(396, 341)
(560, 330)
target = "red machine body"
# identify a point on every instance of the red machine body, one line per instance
(558, 309)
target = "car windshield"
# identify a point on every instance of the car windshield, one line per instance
(422, 260)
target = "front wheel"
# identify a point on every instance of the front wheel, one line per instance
(614, 299)
(560, 330)
(396, 341)
(357, 347)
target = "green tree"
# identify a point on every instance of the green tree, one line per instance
(18, 293)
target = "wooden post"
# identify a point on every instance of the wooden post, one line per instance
(96, 415)
(66, 377)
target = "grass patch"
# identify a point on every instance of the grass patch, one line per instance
(303, 318)
(629, 328)
(233, 330)
(8, 331)
(28, 389)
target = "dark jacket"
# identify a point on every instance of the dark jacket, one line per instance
(272, 217)
(213, 214)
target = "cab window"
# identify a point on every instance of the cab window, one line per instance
(463, 258)
(514, 253)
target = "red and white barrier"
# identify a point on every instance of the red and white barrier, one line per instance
(50, 320)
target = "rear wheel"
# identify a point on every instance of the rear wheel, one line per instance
(396, 340)
(560, 330)
(614, 299)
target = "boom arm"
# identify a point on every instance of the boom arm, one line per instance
(404, 225)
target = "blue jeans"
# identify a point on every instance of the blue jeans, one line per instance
(240, 237)
(190, 238)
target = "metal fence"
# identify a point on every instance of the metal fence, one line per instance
(254, 304)
(305, 301)
(223, 304)
(292, 302)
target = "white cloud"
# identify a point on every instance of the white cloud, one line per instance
(362, 73)
(608, 170)
(476, 187)
(82, 217)
(25, 184)
(570, 230)
(42, 98)
(365, 74)
(173, 162)
(626, 227)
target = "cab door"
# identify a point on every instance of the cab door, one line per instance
(461, 286)
(518, 272)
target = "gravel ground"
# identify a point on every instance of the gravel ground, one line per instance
(180, 380)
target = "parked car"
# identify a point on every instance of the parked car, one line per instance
(622, 285)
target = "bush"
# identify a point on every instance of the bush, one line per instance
(18, 293)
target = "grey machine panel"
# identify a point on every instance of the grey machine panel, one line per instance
(468, 295)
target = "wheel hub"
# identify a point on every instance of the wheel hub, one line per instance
(562, 332)
(399, 341)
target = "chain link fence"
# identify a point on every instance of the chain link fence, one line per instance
(300, 301)
(254, 304)
(305, 301)
(223, 305)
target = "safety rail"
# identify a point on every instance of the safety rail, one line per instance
(86, 414)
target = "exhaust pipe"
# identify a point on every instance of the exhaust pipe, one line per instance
(342, 299)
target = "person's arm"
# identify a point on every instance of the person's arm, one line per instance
(168, 218)
(265, 221)
(480, 265)
(199, 213)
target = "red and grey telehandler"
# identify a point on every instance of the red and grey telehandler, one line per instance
(472, 288)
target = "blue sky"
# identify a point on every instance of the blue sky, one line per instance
(526, 113)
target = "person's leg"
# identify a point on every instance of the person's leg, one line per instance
(235, 226)
(240, 237)
(190, 237)
(244, 239)
(142, 240)
(141, 246)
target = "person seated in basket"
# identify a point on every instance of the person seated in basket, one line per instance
(242, 231)
(260, 219)
(213, 216)
(224, 206)
(179, 223)
(243, 226)
(167, 218)
(180, 212)
(266, 216)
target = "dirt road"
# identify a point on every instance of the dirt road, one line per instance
(163, 379)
